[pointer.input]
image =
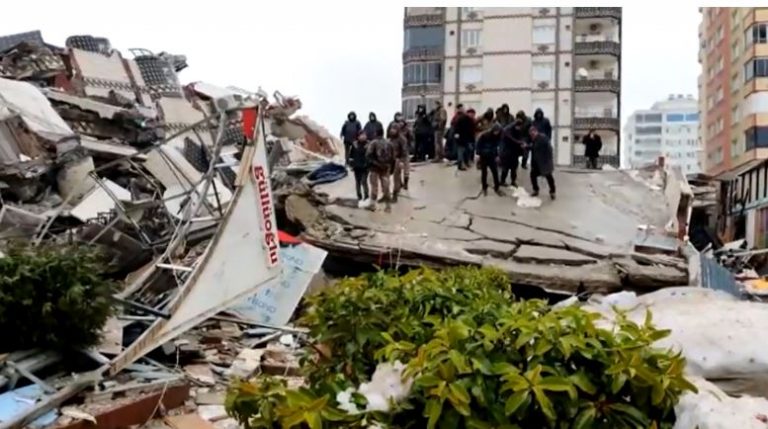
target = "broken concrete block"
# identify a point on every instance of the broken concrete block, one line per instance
(201, 373)
(549, 255)
(246, 363)
(188, 421)
(212, 413)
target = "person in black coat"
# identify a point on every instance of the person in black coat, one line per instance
(373, 127)
(359, 163)
(526, 121)
(349, 132)
(424, 133)
(542, 123)
(513, 143)
(592, 145)
(464, 136)
(488, 157)
(542, 161)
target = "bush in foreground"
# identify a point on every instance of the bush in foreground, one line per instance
(52, 297)
(476, 358)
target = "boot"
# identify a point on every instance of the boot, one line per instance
(552, 196)
(405, 183)
(499, 192)
(535, 193)
(485, 192)
(394, 198)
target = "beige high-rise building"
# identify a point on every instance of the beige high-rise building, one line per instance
(563, 60)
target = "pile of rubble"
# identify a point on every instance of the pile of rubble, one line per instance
(172, 182)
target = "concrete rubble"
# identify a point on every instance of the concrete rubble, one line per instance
(171, 181)
(628, 239)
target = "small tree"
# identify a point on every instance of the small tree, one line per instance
(477, 359)
(52, 297)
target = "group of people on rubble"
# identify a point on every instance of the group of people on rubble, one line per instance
(495, 141)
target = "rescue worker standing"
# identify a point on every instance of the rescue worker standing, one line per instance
(359, 162)
(464, 135)
(373, 127)
(439, 118)
(381, 157)
(513, 144)
(402, 163)
(349, 132)
(542, 123)
(592, 145)
(423, 133)
(542, 161)
(488, 157)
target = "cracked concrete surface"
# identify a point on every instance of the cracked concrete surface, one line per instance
(582, 240)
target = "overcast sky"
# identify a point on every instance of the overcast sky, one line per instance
(335, 56)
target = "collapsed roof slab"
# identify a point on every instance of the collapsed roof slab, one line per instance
(583, 240)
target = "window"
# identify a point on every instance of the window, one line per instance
(471, 75)
(543, 33)
(645, 131)
(653, 117)
(719, 34)
(422, 73)
(675, 117)
(467, 10)
(543, 71)
(719, 95)
(757, 67)
(756, 137)
(692, 117)
(756, 33)
(470, 38)
(424, 37)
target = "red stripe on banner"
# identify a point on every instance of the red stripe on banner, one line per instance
(249, 122)
(286, 238)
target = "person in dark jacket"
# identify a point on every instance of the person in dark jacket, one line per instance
(526, 121)
(488, 157)
(542, 123)
(542, 161)
(592, 145)
(463, 136)
(373, 127)
(403, 130)
(349, 132)
(439, 118)
(513, 142)
(423, 133)
(359, 162)
(503, 116)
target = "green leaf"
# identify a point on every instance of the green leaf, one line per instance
(428, 380)
(432, 411)
(459, 361)
(582, 381)
(458, 391)
(631, 412)
(558, 384)
(544, 403)
(585, 418)
(313, 420)
(515, 401)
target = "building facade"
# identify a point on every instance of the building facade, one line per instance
(670, 128)
(733, 87)
(565, 61)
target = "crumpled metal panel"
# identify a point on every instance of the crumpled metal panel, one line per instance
(242, 257)
(715, 276)
(11, 40)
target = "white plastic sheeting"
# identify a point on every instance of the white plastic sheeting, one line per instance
(25, 100)
(711, 408)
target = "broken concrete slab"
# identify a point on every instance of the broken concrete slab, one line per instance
(550, 255)
(246, 364)
(443, 219)
(188, 421)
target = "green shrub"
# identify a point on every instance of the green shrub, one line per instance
(52, 297)
(478, 359)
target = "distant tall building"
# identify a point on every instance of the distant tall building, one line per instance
(564, 60)
(670, 129)
(733, 87)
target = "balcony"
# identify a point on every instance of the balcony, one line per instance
(420, 20)
(595, 119)
(597, 85)
(423, 54)
(581, 161)
(423, 89)
(598, 12)
(604, 47)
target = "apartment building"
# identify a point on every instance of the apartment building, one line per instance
(670, 128)
(733, 93)
(563, 60)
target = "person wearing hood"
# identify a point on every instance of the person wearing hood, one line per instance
(542, 161)
(503, 116)
(488, 157)
(439, 118)
(542, 123)
(380, 155)
(463, 136)
(373, 127)
(349, 132)
(402, 129)
(513, 142)
(358, 160)
(592, 145)
(423, 133)
(526, 126)
(402, 165)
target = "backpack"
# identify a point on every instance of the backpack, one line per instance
(383, 154)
